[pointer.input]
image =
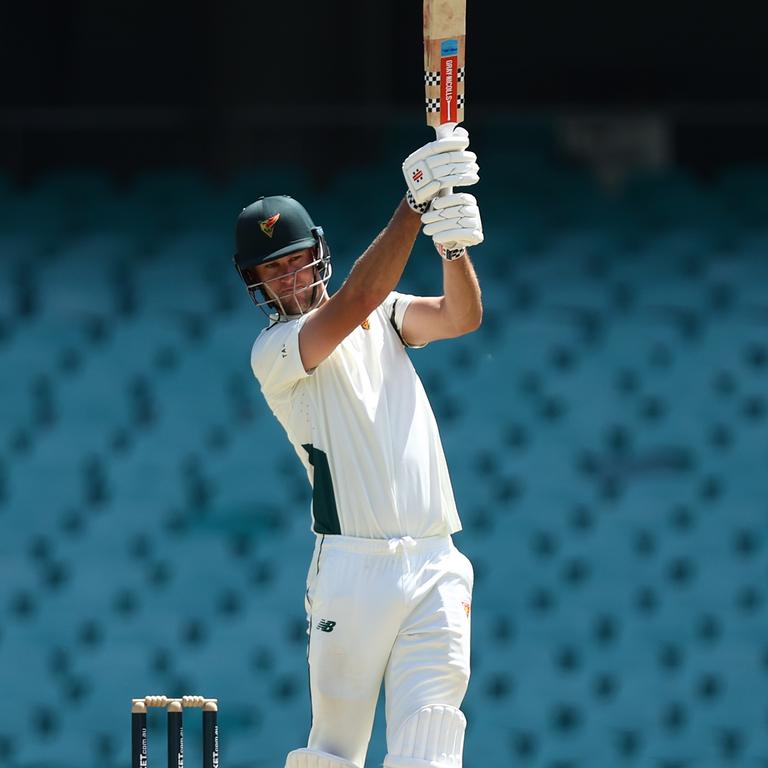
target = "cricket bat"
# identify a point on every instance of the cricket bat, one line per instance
(445, 32)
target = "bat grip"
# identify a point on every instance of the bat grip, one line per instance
(443, 131)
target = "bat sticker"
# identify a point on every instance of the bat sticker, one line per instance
(448, 67)
(449, 48)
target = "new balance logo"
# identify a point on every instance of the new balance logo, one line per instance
(418, 175)
(325, 625)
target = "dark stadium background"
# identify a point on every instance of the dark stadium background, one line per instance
(121, 85)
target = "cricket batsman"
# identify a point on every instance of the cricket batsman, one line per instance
(388, 593)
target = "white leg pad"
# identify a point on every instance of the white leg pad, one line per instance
(433, 737)
(313, 758)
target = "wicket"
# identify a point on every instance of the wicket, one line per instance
(175, 709)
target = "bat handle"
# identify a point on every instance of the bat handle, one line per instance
(443, 131)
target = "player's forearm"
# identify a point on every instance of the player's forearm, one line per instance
(462, 302)
(377, 272)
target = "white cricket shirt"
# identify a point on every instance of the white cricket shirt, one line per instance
(363, 427)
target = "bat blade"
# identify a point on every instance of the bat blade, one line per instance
(444, 53)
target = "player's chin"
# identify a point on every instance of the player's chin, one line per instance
(305, 297)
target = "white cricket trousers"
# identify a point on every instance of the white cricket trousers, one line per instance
(396, 610)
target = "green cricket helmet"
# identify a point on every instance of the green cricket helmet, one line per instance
(267, 230)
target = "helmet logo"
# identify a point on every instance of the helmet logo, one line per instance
(268, 225)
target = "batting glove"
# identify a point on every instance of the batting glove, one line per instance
(453, 223)
(440, 164)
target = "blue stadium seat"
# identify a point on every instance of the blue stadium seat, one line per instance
(604, 430)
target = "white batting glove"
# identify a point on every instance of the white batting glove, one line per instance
(453, 223)
(440, 164)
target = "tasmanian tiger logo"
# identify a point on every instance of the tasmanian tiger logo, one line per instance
(268, 225)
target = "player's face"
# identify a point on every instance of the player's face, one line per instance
(290, 279)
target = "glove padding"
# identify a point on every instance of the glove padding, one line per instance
(440, 164)
(453, 222)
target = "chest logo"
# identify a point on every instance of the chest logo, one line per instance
(467, 608)
(365, 325)
(325, 625)
(268, 225)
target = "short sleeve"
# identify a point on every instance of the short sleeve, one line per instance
(394, 307)
(275, 357)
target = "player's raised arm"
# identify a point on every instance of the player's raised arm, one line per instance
(454, 224)
(437, 165)
(369, 282)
